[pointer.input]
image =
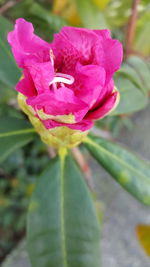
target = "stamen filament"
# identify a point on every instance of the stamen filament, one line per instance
(66, 78)
(61, 78)
(51, 56)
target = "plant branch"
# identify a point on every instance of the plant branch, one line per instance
(131, 28)
(8, 5)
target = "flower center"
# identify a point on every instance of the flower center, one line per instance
(61, 78)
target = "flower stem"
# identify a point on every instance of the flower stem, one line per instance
(8, 5)
(62, 153)
(131, 28)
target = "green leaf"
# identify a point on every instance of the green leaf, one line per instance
(131, 97)
(55, 22)
(14, 133)
(90, 16)
(142, 69)
(9, 72)
(130, 73)
(127, 169)
(62, 226)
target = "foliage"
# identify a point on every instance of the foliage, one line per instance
(18, 174)
(73, 227)
(127, 169)
(65, 207)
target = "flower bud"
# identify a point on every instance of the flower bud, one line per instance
(67, 84)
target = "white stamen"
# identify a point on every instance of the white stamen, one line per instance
(62, 78)
(59, 77)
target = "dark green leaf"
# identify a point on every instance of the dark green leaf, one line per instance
(14, 133)
(53, 21)
(63, 228)
(9, 72)
(127, 169)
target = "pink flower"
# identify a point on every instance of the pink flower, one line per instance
(67, 82)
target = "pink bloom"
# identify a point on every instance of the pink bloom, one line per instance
(70, 76)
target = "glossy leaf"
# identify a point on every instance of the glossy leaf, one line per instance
(143, 234)
(132, 98)
(14, 133)
(52, 20)
(131, 74)
(142, 69)
(129, 170)
(63, 229)
(9, 72)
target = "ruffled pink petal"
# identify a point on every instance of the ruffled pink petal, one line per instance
(82, 39)
(60, 102)
(26, 45)
(74, 105)
(104, 109)
(104, 93)
(89, 82)
(109, 54)
(26, 85)
(103, 33)
(66, 55)
(72, 45)
(42, 74)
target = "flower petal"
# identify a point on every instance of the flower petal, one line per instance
(60, 102)
(103, 94)
(103, 33)
(26, 45)
(89, 82)
(103, 110)
(26, 85)
(72, 45)
(42, 74)
(109, 54)
(82, 39)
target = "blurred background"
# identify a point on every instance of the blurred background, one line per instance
(129, 21)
